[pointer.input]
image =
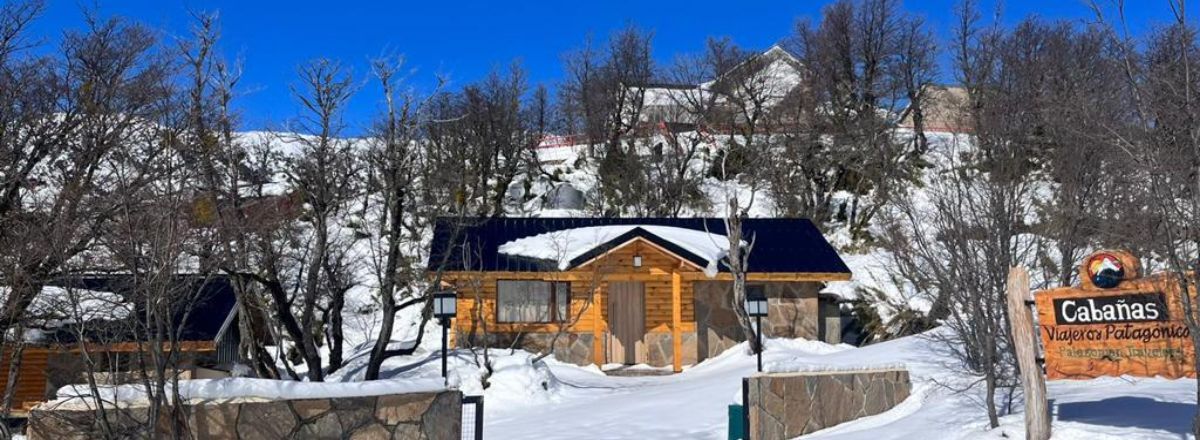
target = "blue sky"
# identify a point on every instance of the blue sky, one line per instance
(466, 39)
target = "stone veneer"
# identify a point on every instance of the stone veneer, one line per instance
(793, 313)
(575, 348)
(659, 351)
(417, 416)
(788, 405)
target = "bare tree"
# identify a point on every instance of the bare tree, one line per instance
(604, 98)
(75, 113)
(393, 161)
(866, 64)
(955, 240)
(323, 172)
(1161, 143)
(225, 174)
(737, 260)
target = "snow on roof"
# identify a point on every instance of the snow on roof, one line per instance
(566, 245)
(58, 305)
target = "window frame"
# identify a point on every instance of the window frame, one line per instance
(552, 316)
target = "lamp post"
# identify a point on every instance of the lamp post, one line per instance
(756, 307)
(445, 306)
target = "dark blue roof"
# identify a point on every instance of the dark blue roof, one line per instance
(781, 245)
(214, 299)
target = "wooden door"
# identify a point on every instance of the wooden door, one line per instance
(626, 320)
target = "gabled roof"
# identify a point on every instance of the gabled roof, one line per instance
(214, 303)
(780, 245)
(570, 248)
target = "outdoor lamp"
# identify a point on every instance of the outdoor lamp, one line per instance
(756, 307)
(756, 303)
(445, 306)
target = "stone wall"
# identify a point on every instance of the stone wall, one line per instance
(575, 348)
(418, 416)
(788, 405)
(794, 313)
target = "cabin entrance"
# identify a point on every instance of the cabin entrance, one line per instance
(627, 321)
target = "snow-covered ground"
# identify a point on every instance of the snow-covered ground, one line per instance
(560, 401)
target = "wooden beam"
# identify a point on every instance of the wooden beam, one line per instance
(618, 276)
(1037, 411)
(597, 335)
(774, 276)
(676, 321)
(133, 346)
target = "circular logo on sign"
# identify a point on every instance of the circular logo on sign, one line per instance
(1105, 271)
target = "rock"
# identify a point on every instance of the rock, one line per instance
(215, 421)
(373, 431)
(394, 409)
(876, 398)
(326, 426)
(443, 421)
(310, 408)
(59, 425)
(407, 431)
(354, 413)
(266, 420)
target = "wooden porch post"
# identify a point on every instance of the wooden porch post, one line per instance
(597, 327)
(676, 320)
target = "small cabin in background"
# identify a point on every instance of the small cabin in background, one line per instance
(109, 327)
(946, 109)
(631, 290)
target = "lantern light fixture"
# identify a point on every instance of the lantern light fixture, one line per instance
(757, 307)
(445, 305)
(756, 302)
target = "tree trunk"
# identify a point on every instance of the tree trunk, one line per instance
(336, 334)
(312, 357)
(387, 285)
(990, 381)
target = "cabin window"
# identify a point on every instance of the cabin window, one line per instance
(532, 301)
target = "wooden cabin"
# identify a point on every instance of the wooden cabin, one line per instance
(208, 346)
(629, 291)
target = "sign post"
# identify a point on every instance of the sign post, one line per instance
(1037, 411)
(1115, 323)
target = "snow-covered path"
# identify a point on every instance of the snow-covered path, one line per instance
(691, 405)
(562, 401)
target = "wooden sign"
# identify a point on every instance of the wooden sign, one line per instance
(1115, 323)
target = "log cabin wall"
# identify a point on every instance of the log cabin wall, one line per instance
(707, 327)
(45, 369)
(477, 297)
(31, 386)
